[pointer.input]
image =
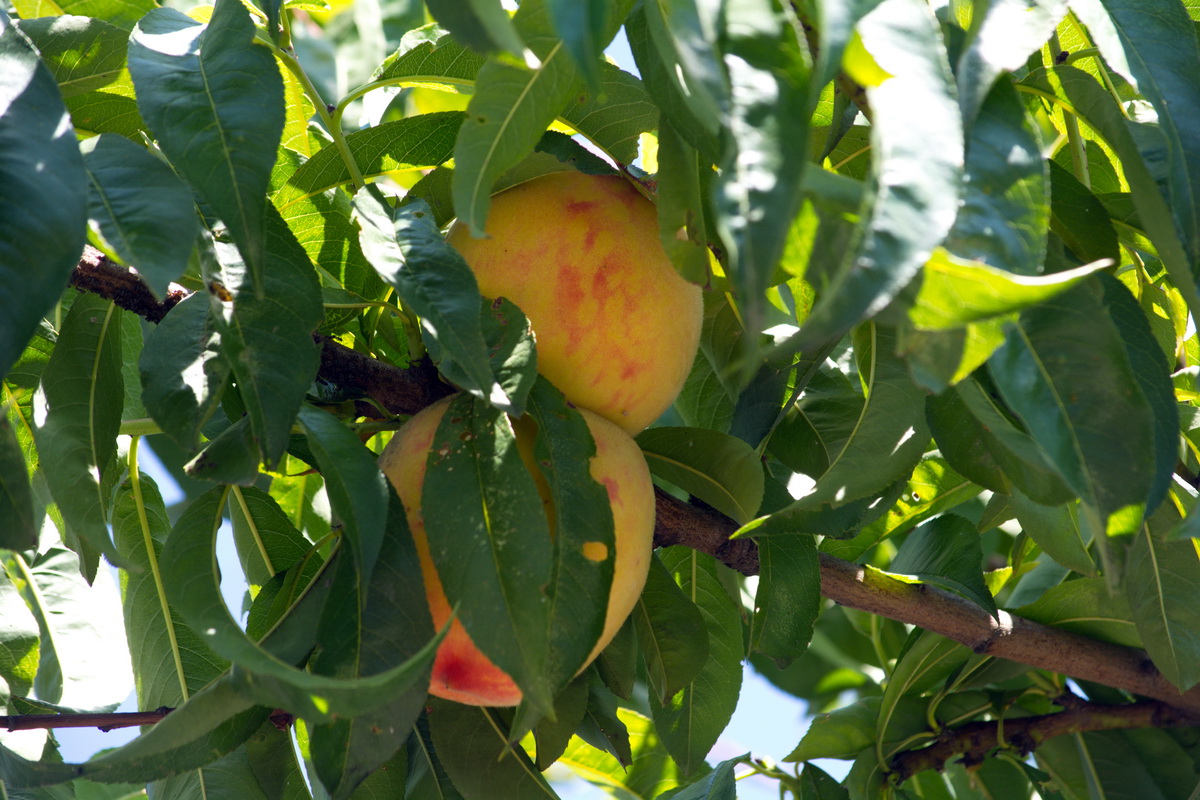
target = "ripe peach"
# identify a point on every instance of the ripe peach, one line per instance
(616, 326)
(460, 671)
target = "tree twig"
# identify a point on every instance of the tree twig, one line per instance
(974, 741)
(105, 722)
(406, 391)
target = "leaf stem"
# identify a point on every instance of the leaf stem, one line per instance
(332, 123)
(135, 485)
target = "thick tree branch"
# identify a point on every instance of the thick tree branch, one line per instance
(406, 391)
(976, 740)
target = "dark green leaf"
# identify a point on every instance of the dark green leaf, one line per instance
(583, 523)
(684, 33)
(231, 457)
(1158, 577)
(358, 491)
(1065, 371)
(1055, 529)
(886, 440)
(490, 541)
(472, 744)
(512, 350)
(1152, 372)
(1086, 606)
(393, 624)
(145, 213)
(213, 99)
(267, 339)
(1013, 450)
(581, 26)
(1155, 49)
(1079, 219)
(917, 143)
(78, 414)
(408, 251)
(510, 109)
(690, 721)
(671, 633)
(182, 374)
(946, 552)
(552, 736)
(680, 198)
(43, 208)
(715, 467)
(763, 168)
(788, 598)
(267, 541)
(482, 25)
(20, 532)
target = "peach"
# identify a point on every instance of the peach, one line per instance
(461, 672)
(616, 326)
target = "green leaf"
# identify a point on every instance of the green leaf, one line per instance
(393, 623)
(788, 598)
(583, 518)
(926, 660)
(1066, 373)
(985, 426)
(408, 251)
(681, 193)
(1055, 529)
(614, 116)
(551, 736)
(954, 292)
(357, 490)
(472, 744)
(767, 108)
(170, 660)
(490, 541)
(651, 773)
(1152, 372)
(482, 25)
(1157, 580)
(512, 350)
(412, 143)
(671, 633)
(145, 213)
(214, 101)
(1155, 49)
(510, 109)
(16, 499)
(662, 84)
(917, 162)
(1086, 606)
(83, 53)
(887, 439)
(231, 457)
(43, 208)
(1092, 103)
(715, 467)
(715, 785)
(1079, 219)
(267, 541)
(581, 26)
(691, 720)
(428, 777)
(188, 565)
(267, 339)
(1001, 42)
(685, 35)
(182, 373)
(932, 488)
(78, 413)
(839, 734)
(946, 552)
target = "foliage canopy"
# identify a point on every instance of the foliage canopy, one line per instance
(947, 379)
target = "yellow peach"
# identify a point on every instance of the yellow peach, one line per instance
(616, 326)
(461, 672)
